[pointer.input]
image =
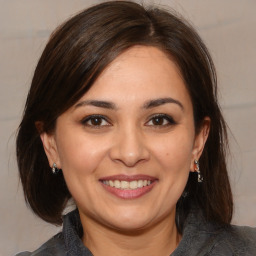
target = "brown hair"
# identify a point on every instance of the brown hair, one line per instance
(76, 54)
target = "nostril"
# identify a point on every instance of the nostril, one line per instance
(129, 148)
(129, 158)
(131, 161)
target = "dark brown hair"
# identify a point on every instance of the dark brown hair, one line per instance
(76, 54)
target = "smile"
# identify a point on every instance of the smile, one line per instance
(125, 185)
(128, 187)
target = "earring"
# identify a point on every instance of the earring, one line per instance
(197, 169)
(55, 169)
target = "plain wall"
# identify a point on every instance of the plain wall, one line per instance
(228, 28)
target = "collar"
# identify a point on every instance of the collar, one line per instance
(197, 232)
(72, 233)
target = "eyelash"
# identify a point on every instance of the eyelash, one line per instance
(90, 118)
(166, 119)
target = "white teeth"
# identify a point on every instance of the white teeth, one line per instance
(111, 183)
(123, 184)
(117, 184)
(140, 183)
(134, 184)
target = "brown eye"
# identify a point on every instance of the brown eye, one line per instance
(158, 120)
(95, 121)
(161, 120)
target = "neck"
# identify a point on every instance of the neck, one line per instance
(160, 239)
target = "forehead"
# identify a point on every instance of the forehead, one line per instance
(140, 73)
(151, 57)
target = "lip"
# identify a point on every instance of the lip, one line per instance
(129, 193)
(128, 177)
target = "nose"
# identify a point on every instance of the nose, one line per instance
(129, 147)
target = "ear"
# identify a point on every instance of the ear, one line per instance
(200, 140)
(50, 148)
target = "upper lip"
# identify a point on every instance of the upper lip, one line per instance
(128, 177)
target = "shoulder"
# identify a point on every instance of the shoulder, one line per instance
(201, 237)
(67, 242)
(55, 246)
(235, 239)
(248, 233)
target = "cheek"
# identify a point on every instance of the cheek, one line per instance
(174, 152)
(80, 158)
(80, 155)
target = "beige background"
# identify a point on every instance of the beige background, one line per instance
(228, 28)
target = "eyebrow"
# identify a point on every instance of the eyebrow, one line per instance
(147, 105)
(161, 101)
(96, 103)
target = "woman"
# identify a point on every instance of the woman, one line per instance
(122, 106)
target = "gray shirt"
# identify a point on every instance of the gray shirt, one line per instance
(199, 238)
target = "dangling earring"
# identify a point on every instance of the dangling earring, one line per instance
(197, 169)
(55, 169)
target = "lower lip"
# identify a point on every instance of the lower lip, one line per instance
(129, 193)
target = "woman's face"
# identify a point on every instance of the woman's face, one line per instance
(127, 146)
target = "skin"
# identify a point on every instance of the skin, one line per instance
(129, 139)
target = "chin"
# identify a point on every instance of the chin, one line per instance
(129, 221)
(131, 226)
